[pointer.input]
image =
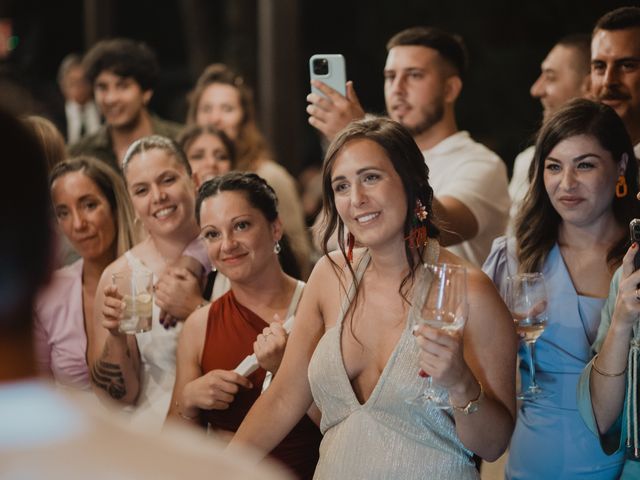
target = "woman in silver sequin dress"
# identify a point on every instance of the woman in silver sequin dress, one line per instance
(353, 335)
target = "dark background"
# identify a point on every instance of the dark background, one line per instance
(506, 42)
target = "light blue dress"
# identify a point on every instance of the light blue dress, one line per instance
(613, 442)
(550, 439)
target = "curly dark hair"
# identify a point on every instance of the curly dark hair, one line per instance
(125, 58)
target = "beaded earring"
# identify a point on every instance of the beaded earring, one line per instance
(418, 233)
(351, 241)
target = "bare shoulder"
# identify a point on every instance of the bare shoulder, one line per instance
(332, 269)
(193, 333)
(196, 323)
(120, 264)
(481, 290)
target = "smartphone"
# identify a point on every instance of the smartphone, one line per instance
(634, 231)
(330, 69)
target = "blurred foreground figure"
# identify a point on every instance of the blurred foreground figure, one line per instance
(45, 434)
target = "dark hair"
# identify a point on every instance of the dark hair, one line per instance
(261, 196)
(250, 144)
(537, 222)
(111, 184)
(259, 193)
(26, 252)
(408, 162)
(192, 132)
(155, 142)
(619, 19)
(581, 43)
(450, 46)
(125, 58)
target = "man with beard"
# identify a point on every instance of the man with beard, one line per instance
(615, 66)
(564, 76)
(423, 79)
(123, 74)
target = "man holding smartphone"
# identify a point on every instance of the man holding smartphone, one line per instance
(423, 79)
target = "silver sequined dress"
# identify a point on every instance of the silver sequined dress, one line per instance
(386, 438)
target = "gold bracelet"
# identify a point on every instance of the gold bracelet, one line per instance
(602, 372)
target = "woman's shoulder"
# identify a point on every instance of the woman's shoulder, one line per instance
(61, 285)
(477, 280)
(196, 322)
(118, 265)
(335, 261)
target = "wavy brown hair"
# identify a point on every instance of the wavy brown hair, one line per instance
(250, 144)
(407, 161)
(537, 222)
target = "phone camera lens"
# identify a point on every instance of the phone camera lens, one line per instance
(321, 66)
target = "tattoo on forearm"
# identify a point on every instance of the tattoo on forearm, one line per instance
(108, 376)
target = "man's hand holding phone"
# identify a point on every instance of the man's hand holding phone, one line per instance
(331, 112)
(333, 102)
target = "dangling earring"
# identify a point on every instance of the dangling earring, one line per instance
(277, 248)
(351, 241)
(418, 233)
(621, 187)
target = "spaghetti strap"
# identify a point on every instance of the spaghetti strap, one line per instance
(295, 299)
(135, 263)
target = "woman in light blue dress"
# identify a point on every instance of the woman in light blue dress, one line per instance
(573, 227)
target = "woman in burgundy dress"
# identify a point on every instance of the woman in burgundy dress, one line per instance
(240, 225)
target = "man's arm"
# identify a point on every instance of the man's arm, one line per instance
(457, 222)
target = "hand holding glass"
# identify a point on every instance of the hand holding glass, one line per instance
(526, 297)
(136, 289)
(442, 305)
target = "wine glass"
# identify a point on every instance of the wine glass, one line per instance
(526, 298)
(442, 305)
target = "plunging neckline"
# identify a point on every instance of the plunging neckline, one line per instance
(375, 392)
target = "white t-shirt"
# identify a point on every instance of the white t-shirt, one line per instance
(519, 183)
(47, 434)
(466, 170)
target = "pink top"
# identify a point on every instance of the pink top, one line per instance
(59, 331)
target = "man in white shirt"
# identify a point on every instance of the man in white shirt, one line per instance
(565, 74)
(423, 79)
(615, 66)
(81, 113)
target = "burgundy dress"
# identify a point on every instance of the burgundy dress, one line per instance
(231, 331)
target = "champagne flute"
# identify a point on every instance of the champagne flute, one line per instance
(442, 305)
(526, 297)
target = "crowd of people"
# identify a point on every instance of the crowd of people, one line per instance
(317, 375)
